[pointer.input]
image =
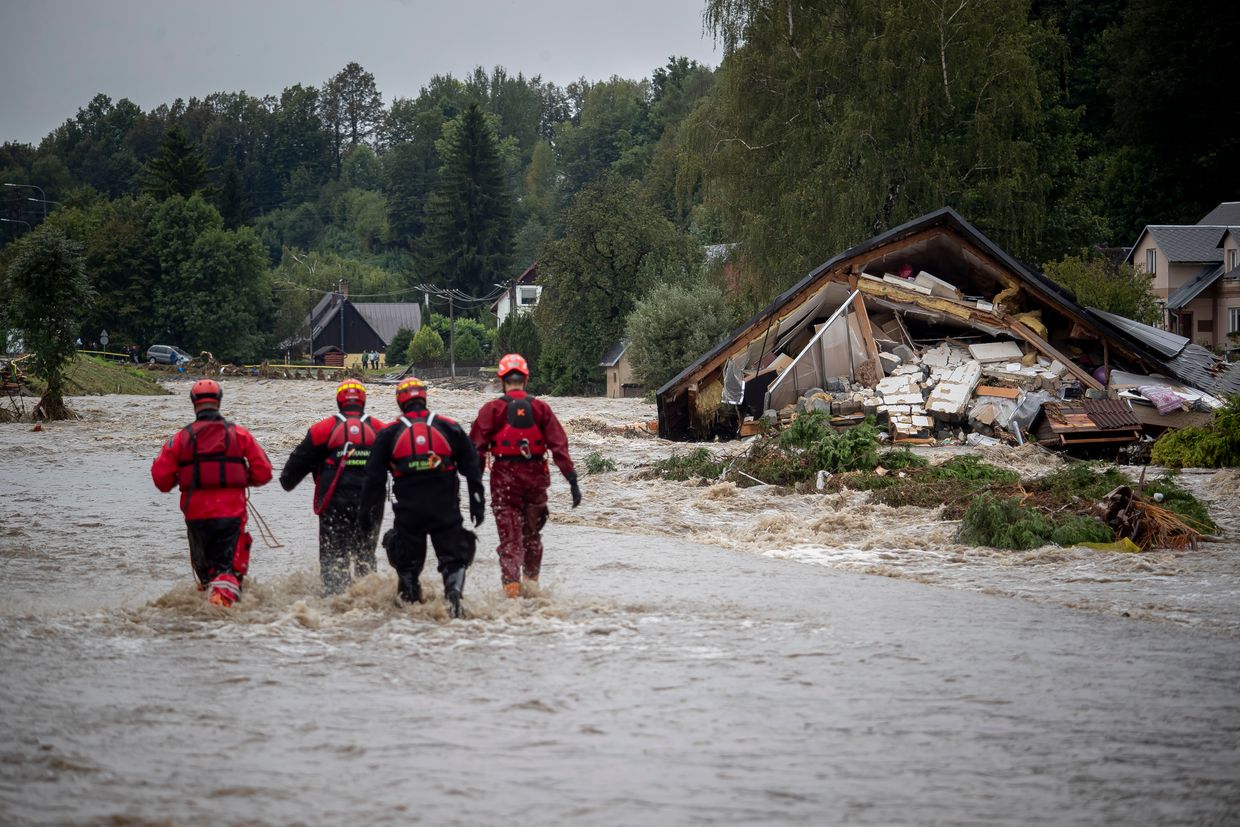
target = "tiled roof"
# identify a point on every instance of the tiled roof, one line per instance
(1227, 212)
(1194, 286)
(1189, 242)
(612, 357)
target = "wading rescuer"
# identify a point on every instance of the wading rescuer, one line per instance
(519, 432)
(424, 453)
(213, 461)
(335, 451)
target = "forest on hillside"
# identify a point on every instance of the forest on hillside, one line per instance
(1054, 126)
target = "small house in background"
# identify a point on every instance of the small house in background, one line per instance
(1196, 270)
(521, 296)
(354, 328)
(620, 381)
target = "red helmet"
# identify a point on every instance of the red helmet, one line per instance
(206, 393)
(513, 362)
(350, 394)
(409, 390)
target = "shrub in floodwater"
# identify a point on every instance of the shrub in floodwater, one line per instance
(596, 463)
(1216, 445)
(679, 467)
(900, 459)
(971, 469)
(1083, 480)
(1001, 522)
(807, 446)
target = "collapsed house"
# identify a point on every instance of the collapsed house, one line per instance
(941, 335)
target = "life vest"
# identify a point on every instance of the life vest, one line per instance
(520, 438)
(421, 448)
(215, 457)
(350, 440)
(348, 447)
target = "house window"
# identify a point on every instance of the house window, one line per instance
(1151, 260)
(1233, 320)
(1233, 259)
(527, 296)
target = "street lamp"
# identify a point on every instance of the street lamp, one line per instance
(16, 221)
(45, 202)
(42, 194)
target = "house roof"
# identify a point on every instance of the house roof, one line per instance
(530, 276)
(1227, 212)
(1188, 242)
(386, 318)
(612, 357)
(1185, 361)
(1193, 288)
(943, 216)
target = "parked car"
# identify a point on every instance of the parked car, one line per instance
(167, 355)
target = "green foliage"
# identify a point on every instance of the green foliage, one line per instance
(398, 349)
(697, 463)
(1081, 480)
(179, 170)
(473, 339)
(807, 446)
(672, 326)
(1003, 523)
(614, 249)
(971, 469)
(469, 218)
(951, 485)
(351, 108)
(1107, 285)
(518, 334)
(1216, 445)
(596, 463)
(46, 296)
(901, 458)
(426, 344)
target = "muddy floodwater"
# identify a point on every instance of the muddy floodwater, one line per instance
(700, 654)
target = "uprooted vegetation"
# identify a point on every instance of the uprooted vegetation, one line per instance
(996, 505)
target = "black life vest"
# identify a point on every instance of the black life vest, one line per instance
(421, 448)
(215, 457)
(520, 438)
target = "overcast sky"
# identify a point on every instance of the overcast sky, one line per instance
(55, 55)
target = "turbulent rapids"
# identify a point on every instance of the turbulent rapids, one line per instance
(699, 653)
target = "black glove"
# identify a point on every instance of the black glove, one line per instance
(576, 489)
(477, 505)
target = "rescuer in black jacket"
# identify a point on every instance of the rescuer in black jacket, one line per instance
(335, 451)
(425, 453)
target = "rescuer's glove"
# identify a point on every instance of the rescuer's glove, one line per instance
(477, 505)
(576, 489)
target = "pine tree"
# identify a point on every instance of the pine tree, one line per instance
(179, 169)
(232, 197)
(469, 219)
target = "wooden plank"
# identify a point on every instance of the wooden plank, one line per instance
(1049, 351)
(863, 322)
(994, 390)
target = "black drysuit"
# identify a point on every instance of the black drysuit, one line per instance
(426, 502)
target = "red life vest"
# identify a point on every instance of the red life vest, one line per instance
(348, 447)
(520, 438)
(215, 458)
(350, 440)
(421, 448)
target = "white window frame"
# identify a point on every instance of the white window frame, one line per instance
(1233, 260)
(527, 296)
(1151, 261)
(1233, 320)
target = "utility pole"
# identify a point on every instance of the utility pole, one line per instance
(452, 334)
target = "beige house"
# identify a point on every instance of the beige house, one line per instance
(1196, 269)
(620, 381)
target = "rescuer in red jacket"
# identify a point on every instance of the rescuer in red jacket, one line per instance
(335, 451)
(520, 432)
(424, 453)
(213, 461)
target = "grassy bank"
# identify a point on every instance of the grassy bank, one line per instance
(91, 376)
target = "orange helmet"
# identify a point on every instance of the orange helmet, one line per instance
(350, 394)
(206, 393)
(409, 390)
(513, 362)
